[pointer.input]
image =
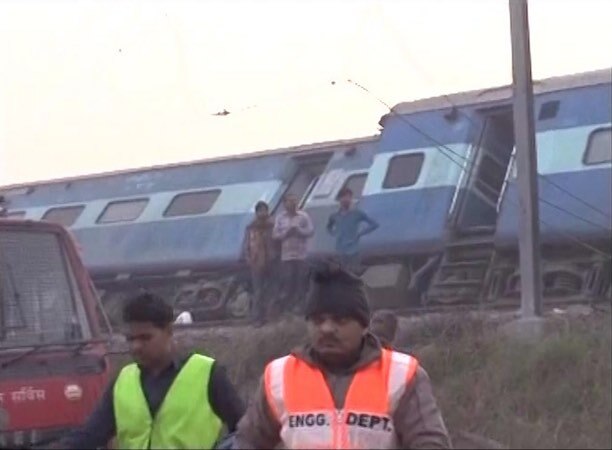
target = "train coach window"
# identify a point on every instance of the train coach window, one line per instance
(599, 147)
(403, 170)
(63, 215)
(549, 110)
(123, 211)
(191, 203)
(356, 184)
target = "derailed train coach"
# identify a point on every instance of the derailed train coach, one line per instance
(439, 178)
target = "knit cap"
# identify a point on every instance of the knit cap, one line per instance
(340, 293)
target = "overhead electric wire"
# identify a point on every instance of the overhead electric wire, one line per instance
(443, 149)
(439, 146)
(560, 208)
(470, 163)
(446, 148)
(563, 233)
(305, 89)
(459, 109)
(301, 90)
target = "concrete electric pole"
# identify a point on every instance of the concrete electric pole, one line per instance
(526, 161)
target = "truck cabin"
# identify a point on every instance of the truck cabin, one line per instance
(53, 355)
(45, 301)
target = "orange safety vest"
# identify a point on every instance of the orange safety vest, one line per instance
(301, 401)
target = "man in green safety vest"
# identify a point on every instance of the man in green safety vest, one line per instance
(163, 400)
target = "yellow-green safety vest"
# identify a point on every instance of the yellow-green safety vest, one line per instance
(185, 418)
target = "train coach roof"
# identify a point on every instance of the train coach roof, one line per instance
(445, 101)
(595, 77)
(297, 151)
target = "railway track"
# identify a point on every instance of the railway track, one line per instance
(493, 311)
(502, 307)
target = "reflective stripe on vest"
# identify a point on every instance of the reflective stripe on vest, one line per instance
(300, 399)
(185, 418)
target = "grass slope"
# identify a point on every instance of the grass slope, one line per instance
(555, 393)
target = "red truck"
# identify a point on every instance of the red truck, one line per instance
(53, 345)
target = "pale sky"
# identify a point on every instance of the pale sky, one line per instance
(90, 86)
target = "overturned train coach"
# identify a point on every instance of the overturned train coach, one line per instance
(439, 178)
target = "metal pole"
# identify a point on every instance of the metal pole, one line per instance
(526, 162)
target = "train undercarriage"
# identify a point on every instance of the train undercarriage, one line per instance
(470, 272)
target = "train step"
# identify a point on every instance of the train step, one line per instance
(460, 255)
(448, 296)
(462, 267)
(465, 264)
(458, 283)
(472, 241)
(461, 274)
(481, 230)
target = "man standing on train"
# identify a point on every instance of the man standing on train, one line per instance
(163, 399)
(293, 228)
(343, 389)
(345, 225)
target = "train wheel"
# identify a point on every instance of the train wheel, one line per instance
(113, 303)
(185, 300)
(239, 305)
(210, 299)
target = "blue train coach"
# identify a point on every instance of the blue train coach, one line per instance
(439, 178)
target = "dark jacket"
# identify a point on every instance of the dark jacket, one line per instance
(259, 249)
(417, 419)
(100, 427)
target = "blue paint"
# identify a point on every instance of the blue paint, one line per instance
(398, 134)
(413, 220)
(163, 246)
(578, 107)
(564, 150)
(146, 182)
(437, 170)
(211, 242)
(594, 186)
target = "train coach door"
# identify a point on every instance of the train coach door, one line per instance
(305, 177)
(479, 204)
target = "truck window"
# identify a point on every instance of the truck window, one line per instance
(39, 301)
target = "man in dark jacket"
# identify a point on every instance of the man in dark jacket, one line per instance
(260, 253)
(164, 399)
(379, 398)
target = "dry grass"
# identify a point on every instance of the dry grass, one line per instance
(555, 394)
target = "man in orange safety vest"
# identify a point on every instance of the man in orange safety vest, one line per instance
(343, 389)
